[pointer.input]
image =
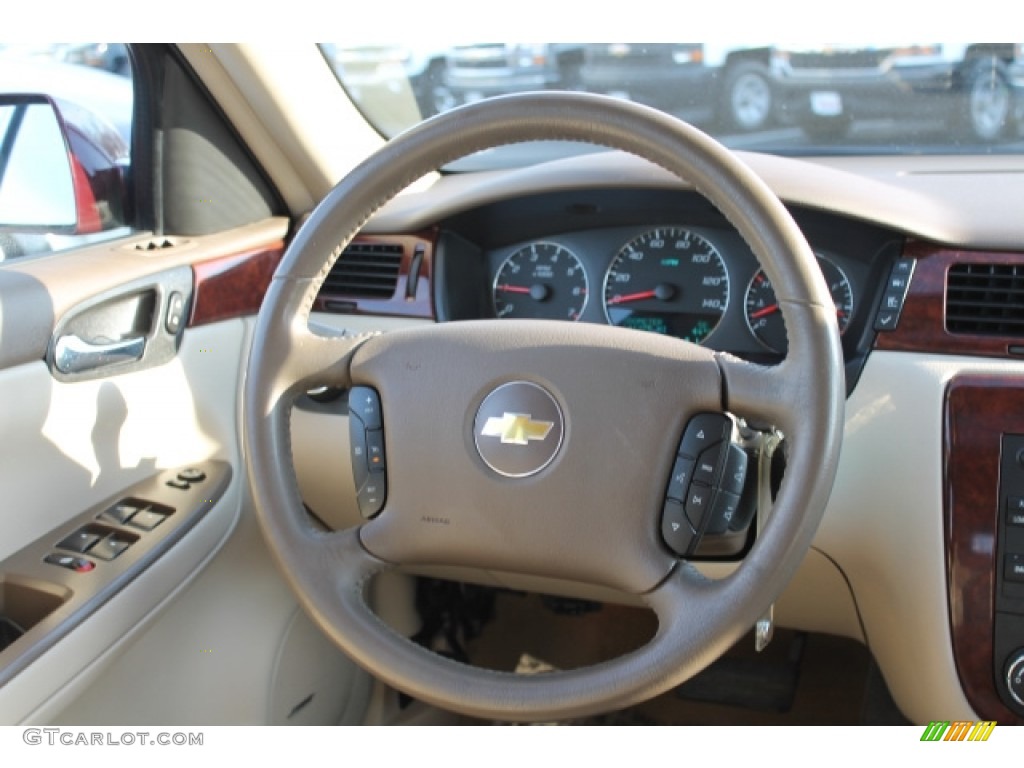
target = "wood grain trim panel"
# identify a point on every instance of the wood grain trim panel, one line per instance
(922, 325)
(401, 304)
(979, 409)
(233, 286)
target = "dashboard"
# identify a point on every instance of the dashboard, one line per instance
(610, 239)
(655, 260)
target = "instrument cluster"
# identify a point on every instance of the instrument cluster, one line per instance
(696, 283)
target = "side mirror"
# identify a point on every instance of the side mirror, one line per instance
(62, 169)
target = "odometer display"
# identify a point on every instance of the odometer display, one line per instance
(668, 280)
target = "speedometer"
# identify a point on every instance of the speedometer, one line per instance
(668, 280)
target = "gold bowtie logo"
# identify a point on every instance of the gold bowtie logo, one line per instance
(516, 428)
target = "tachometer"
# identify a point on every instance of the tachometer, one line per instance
(668, 280)
(541, 280)
(762, 310)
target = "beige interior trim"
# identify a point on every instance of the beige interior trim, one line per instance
(153, 419)
(916, 195)
(36, 292)
(884, 524)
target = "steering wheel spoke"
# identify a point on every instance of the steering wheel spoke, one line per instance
(302, 356)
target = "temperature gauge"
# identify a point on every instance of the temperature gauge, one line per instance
(762, 309)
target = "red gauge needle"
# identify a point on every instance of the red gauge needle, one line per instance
(513, 288)
(764, 312)
(633, 297)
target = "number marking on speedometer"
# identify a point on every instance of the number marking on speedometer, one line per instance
(668, 280)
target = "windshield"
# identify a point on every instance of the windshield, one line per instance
(810, 99)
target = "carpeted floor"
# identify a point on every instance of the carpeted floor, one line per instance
(800, 679)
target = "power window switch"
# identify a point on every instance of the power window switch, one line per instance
(109, 548)
(79, 541)
(120, 513)
(177, 482)
(147, 520)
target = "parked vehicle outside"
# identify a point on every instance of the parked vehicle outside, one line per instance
(490, 69)
(977, 88)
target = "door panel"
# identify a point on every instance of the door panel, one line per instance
(71, 445)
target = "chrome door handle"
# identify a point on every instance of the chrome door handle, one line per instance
(74, 355)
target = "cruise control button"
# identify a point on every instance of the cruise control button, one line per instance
(372, 495)
(357, 447)
(364, 402)
(79, 541)
(675, 528)
(703, 431)
(375, 450)
(682, 473)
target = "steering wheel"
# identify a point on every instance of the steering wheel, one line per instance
(591, 513)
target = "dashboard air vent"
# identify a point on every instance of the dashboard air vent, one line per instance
(366, 270)
(985, 299)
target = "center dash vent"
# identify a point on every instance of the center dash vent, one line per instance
(985, 299)
(365, 270)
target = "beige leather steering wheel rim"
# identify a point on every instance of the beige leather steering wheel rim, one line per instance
(698, 619)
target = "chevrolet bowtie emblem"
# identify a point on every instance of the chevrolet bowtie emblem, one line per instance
(516, 428)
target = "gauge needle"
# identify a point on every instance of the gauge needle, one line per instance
(633, 297)
(764, 312)
(513, 288)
